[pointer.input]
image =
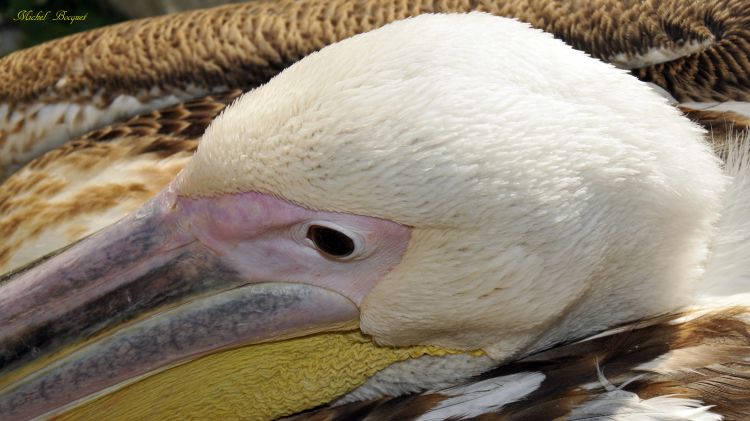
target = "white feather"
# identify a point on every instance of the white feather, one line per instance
(485, 396)
(621, 405)
(739, 107)
(656, 55)
(727, 275)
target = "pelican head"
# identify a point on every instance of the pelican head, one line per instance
(534, 182)
(462, 181)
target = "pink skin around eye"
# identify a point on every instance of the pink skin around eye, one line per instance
(264, 238)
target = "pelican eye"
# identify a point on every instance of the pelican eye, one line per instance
(330, 241)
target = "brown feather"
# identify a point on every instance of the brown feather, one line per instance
(65, 194)
(722, 126)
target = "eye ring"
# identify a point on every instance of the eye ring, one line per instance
(333, 241)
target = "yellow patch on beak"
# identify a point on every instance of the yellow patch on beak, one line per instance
(256, 382)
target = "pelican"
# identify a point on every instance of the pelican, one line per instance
(516, 206)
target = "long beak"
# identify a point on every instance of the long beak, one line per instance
(135, 298)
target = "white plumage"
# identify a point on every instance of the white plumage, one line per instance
(568, 195)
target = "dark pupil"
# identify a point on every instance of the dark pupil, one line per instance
(331, 241)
